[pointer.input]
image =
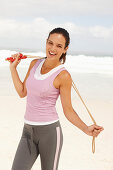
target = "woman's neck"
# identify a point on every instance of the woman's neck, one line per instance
(51, 63)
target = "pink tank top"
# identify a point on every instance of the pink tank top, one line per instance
(41, 95)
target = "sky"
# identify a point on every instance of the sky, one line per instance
(26, 24)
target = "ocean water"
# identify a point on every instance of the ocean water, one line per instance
(74, 63)
(92, 75)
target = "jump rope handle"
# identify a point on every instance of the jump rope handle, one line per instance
(21, 56)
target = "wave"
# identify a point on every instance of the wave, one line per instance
(74, 63)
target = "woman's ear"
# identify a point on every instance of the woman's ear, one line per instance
(66, 49)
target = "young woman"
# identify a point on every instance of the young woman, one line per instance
(45, 80)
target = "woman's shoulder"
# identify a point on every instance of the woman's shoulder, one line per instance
(65, 76)
(64, 73)
(34, 61)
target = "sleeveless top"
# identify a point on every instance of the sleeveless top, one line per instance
(41, 95)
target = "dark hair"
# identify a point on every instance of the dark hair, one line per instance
(63, 32)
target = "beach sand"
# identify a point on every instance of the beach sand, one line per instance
(77, 146)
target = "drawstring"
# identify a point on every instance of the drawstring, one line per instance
(30, 142)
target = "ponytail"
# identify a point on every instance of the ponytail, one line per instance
(63, 58)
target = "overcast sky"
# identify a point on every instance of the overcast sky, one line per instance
(26, 23)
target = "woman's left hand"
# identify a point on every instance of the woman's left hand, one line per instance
(94, 130)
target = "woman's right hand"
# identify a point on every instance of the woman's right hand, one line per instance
(16, 61)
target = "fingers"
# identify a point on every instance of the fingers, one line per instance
(19, 61)
(96, 132)
(16, 58)
(98, 127)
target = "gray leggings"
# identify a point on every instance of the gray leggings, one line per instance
(46, 140)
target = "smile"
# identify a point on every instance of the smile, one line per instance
(51, 53)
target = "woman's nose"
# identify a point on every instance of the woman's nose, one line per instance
(53, 48)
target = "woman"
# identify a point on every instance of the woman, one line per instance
(45, 80)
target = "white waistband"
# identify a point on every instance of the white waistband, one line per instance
(39, 123)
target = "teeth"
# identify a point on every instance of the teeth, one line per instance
(51, 53)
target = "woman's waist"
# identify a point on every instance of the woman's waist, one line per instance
(41, 108)
(42, 128)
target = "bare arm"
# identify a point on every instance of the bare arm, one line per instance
(16, 81)
(19, 85)
(65, 95)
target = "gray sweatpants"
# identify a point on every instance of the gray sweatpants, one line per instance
(46, 140)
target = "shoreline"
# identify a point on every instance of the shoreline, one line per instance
(89, 85)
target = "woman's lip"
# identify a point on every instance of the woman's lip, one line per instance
(52, 53)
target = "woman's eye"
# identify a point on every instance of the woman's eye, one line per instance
(50, 42)
(59, 46)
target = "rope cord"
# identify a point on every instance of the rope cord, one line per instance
(93, 140)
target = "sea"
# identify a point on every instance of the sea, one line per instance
(75, 63)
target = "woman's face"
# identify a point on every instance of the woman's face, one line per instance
(55, 46)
